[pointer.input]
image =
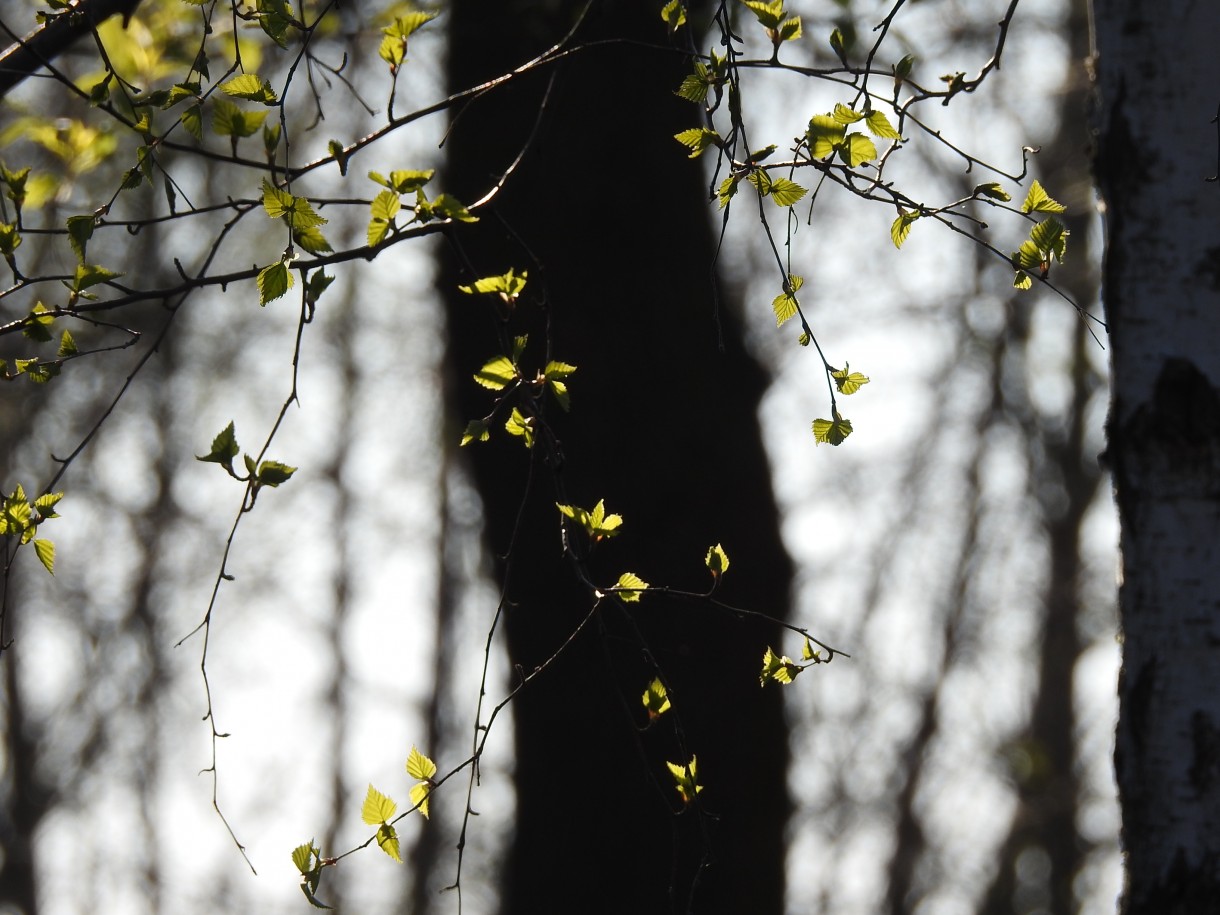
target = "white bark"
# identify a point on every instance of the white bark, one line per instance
(1158, 69)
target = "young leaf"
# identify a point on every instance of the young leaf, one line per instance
(508, 285)
(695, 85)
(556, 374)
(879, 126)
(387, 840)
(90, 275)
(420, 766)
(273, 473)
(825, 134)
(900, 228)
(993, 190)
(717, 560)
(656, 700)
(419, 797)
(686, 779)
(844, 115)
(785, 304)
(698, 139)
(857, 149)
(781, 669)
(831, 431)
(224, 448)
(377, 808)
(847, 381)
(497, 373)
(1039, 201)
(45, 551)
(273, 281)
(251, 87)
(80, 230)
(673, 14)
(522, 426)
(629, 587)
(476, 431)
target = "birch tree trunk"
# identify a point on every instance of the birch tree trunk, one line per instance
(1159, 83)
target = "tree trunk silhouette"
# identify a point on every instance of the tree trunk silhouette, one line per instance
(664, 428)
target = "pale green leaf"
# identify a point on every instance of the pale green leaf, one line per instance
(717, 560)
(857, 149)
(900, 228)
(45, 551)
(497, 373)
(1038, 201)
(420, 766)
(377, 808)
(879, 126)
(629, 587)
(847, 381)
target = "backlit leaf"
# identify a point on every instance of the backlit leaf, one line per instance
(1039, 201)
(377, 808)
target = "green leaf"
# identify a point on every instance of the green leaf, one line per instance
(273, 473)
(839, 45)
(596, 523)
(1050, 236)
(695, 85)
(497, 373)
(656, 699)
(879, 126)
(447, 206)
(273, 281)
(991, 189)
(780, 669)
(192, 120)
(1022, 280)
(80, 230)
(67, 346)
(311, 240)
(37, 325)
(377, 808)
(507, 285)
(224, 448)
(785, 304)
(303, 855)
(807, 652)
(844, 115)
(420, 766)
(686, 779)
(319, 282)
(45, 550)
(555, 374)
(847, 381)
(902, 69)
(90, 275)
(1038, 201)
(476, 431)
(522, 426)
(698, 139)
(673, 14)
(404, 181)
(783, 191)
(769, 14)
(1029, 256)
(276, 201)
(789, 29)
(629, 587)
(230, 121)
(717, 560)
(251, 87)
(825, 134)
(419, 797)
(857, 149)
(387, 840)
(900, 228)
(831, 431)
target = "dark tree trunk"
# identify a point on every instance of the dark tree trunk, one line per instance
(611, 220)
